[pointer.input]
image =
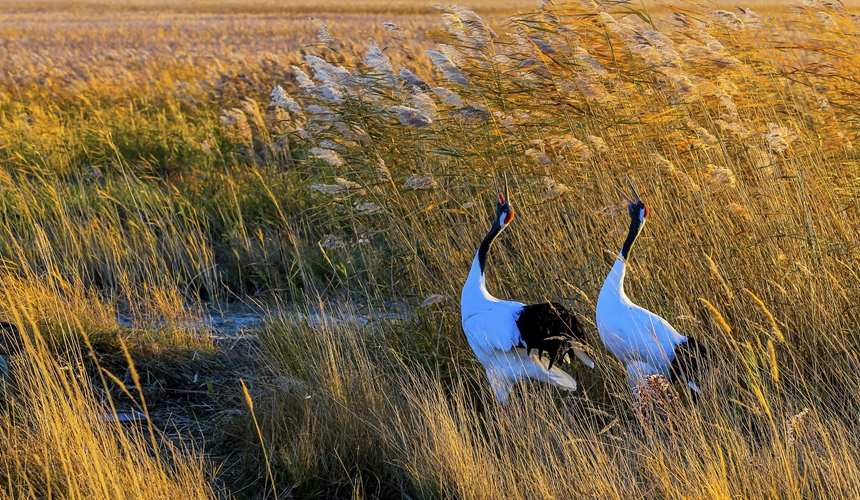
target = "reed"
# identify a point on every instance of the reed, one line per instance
(747, 180)
(343, 180)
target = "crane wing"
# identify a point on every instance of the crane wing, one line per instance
(660, 329)
(550, 327)
(493, 329)
(644, 336)
(516, 364)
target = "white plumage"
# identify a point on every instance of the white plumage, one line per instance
(491, 329)
(646, 343)
(502, 333)
(643, 341)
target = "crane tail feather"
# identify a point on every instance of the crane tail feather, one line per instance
(515, 364)
(584, 357)
(561, 379)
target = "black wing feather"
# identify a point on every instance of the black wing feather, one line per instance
(550, 328)
(690, 358)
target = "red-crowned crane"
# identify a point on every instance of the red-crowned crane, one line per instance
(503, 333)
(646, 343)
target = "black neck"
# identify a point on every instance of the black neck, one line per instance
(635, 226)
(485, 245)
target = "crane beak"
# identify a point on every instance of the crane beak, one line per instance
(626, 198)
(633, 189)
(510, 215)
(501, 198)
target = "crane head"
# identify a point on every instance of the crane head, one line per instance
(504, 212)
(637, 209)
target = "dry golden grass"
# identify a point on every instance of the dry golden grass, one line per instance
(144, 172)
(361, 7)
(740, 137)
(412, 433)
(57, 436)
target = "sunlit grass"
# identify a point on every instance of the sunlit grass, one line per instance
(58, 436)
(141, 181)
(742, 140)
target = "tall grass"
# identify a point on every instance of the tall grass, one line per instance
(145, 183)
(743, 149)
(368, 420)
(58, 434)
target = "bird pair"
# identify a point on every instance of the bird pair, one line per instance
(503, 334)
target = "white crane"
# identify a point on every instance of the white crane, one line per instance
(646, 343)
(503, 333)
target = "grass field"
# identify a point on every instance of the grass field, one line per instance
(150, 177)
